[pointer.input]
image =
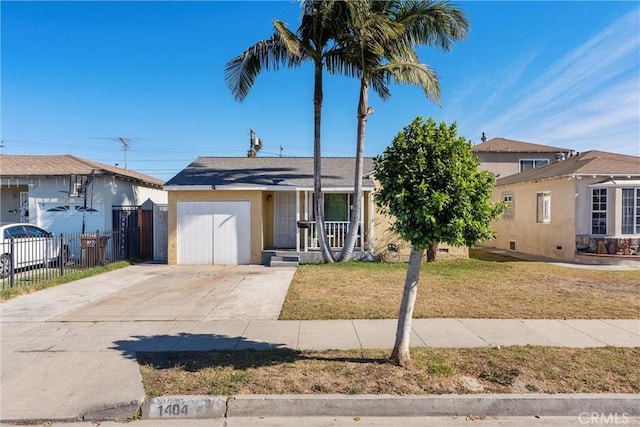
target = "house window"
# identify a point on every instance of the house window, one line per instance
(543, 208)
(337, 206)
(507, 199)
(599, 211)
(526, 164)
(631, 211)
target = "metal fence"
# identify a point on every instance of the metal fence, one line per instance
(29, 260)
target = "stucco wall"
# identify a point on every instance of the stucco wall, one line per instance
(268, 208)
(255, 198)
(555, 239)
(505, 164)
(385, 236)
(104, 191)
(10, 201)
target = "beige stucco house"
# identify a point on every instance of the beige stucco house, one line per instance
(245, 210)
(585, 208)
(503, 157)
(242, 210)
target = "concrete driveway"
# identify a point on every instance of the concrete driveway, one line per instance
(67, 351)
(155, 292)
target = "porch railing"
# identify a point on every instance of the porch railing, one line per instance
(336, 233)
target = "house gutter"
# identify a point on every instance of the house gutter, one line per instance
(573, 176)
(623, 176)
(255, 188)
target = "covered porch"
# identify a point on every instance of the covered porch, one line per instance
(289, 222)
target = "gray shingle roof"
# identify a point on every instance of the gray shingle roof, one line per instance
(28, 165)
(270, 171)
(588, 163)
(503, 145)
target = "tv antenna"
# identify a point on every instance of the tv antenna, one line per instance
(255, 144)
(126, 143)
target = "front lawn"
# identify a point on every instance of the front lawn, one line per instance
(483, 286)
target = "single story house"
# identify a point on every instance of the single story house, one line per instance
(585, 208)
(503, 157)
(67, 194)
(244, 210)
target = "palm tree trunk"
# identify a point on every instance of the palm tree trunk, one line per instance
(349, 244)
(327, 254)
(400, 354)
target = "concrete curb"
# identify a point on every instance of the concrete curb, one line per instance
(190, 407)
(119, 411)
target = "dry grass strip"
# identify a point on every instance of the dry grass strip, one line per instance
(516, 369)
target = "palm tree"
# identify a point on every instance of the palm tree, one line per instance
(314, 41)
(379, 45)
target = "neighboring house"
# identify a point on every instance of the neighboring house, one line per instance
(68, 194)
(585, 208)
(503, 157)
(244, 210)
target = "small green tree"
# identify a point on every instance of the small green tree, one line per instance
(429, 181)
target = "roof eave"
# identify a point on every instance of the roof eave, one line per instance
(257, 188)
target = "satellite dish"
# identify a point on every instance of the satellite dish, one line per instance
(258, 144)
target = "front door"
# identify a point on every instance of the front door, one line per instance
(285, 220)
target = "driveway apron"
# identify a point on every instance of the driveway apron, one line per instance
(61, 356)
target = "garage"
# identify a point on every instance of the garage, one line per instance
(216, 233)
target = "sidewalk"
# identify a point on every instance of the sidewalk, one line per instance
(57, 365)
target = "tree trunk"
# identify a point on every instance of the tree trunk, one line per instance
(352, 235)
(400, 354)
(321, 231)
(432, 251)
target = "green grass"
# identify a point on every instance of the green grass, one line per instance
(16, 291)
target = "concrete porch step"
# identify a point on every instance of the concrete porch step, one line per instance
(284, 261)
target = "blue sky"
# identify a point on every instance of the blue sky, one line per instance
(76, 75)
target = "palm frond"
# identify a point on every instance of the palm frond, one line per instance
(290, 40)
(240, 73)
(379, 82)
(434, 23)
(420, 75)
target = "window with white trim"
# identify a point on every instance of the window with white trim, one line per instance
(631, 211)
(599, 211)
(526, 164)
(543, 207)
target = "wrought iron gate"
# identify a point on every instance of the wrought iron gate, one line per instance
(126, 239)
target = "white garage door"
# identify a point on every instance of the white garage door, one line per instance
(214, 233)
(59, 217)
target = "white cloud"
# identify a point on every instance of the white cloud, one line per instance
(590, 95)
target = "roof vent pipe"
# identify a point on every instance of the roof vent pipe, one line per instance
(484, 138)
